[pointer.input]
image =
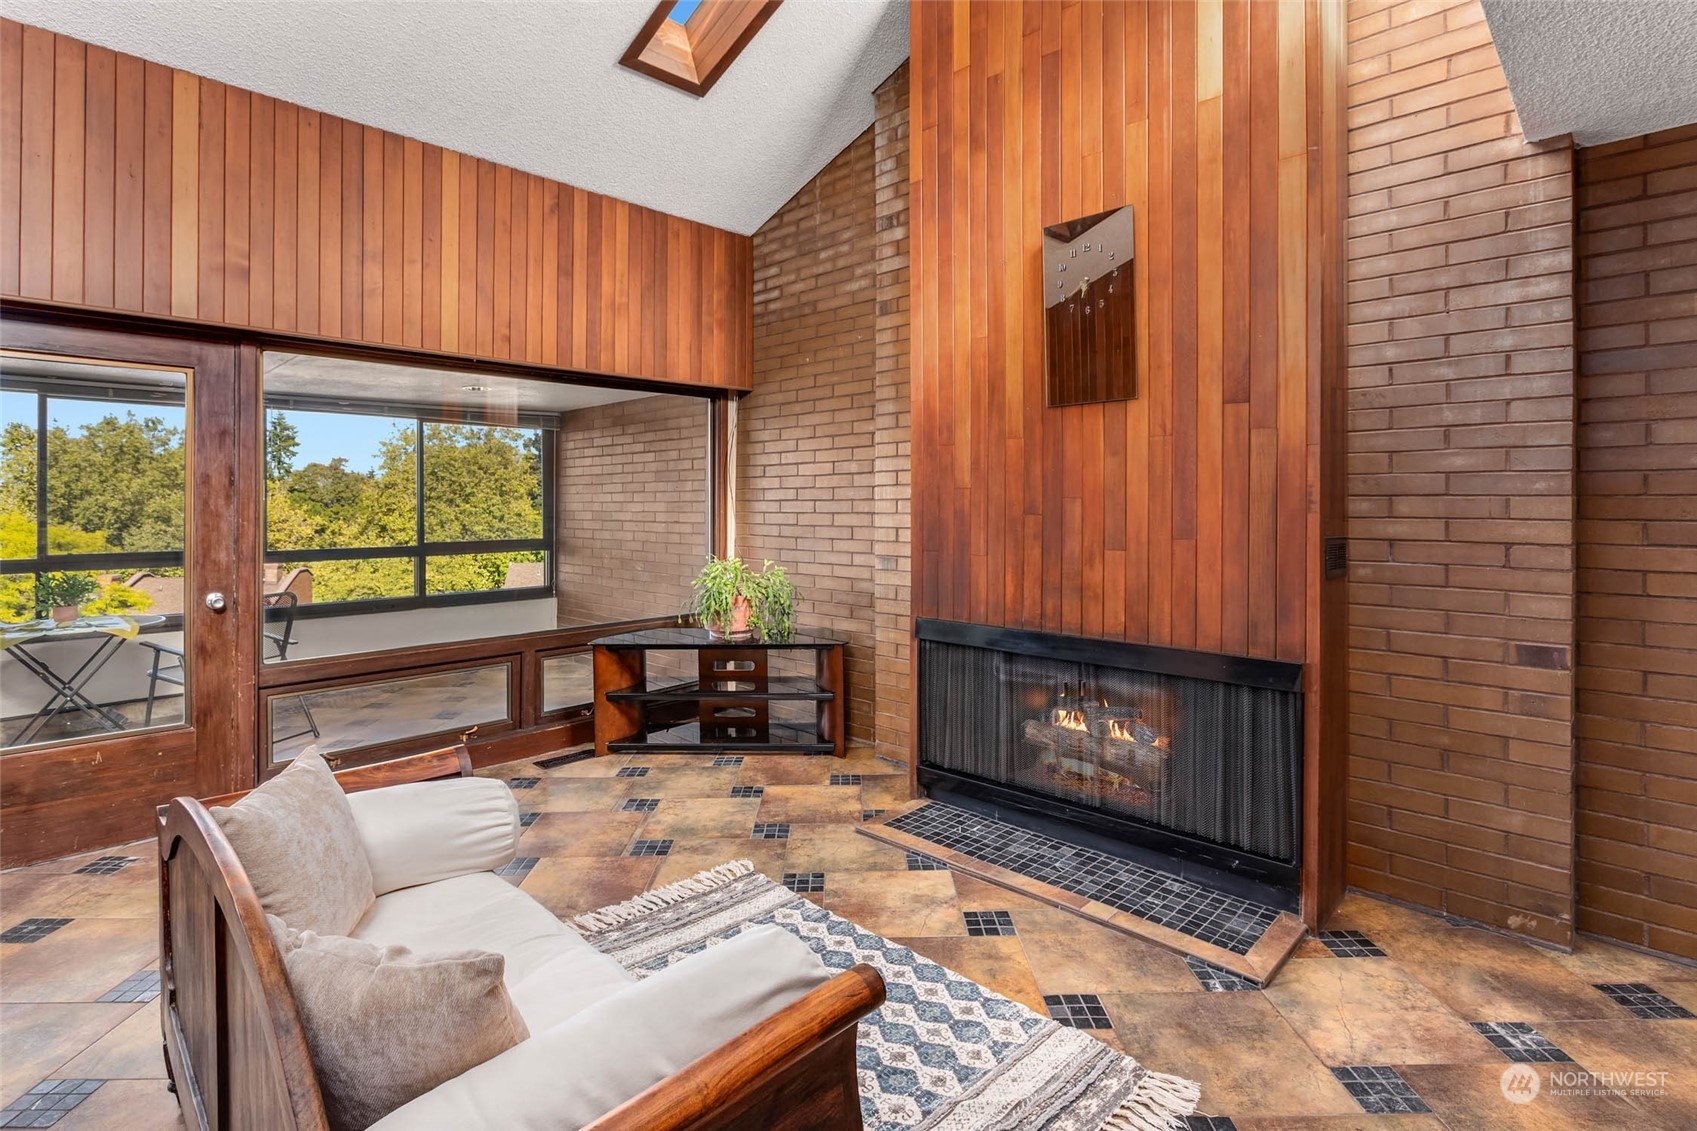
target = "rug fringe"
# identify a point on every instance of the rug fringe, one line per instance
(1159, 1103)
(618, 913)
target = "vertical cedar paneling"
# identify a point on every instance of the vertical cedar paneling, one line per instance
(99, 176)
(285, 217)
(69, 140)
(238, 136)
(11, 149)
(262, 206)
(1181, 517)
(209, 249)
(130, 186)
(129, 133)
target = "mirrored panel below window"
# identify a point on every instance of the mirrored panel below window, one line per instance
(366, 715)
(408, 506)
(568, 681)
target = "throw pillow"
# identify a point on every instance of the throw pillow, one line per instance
(385, 1025)
(296, 838)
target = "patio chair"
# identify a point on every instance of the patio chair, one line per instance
(279, 611)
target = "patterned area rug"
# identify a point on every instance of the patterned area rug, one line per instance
(943, 1053)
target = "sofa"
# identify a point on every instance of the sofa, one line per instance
(404, 986)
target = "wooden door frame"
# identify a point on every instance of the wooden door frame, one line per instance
(74, 797)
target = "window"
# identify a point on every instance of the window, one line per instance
(403, 504)
(690, 44)
(91, 483)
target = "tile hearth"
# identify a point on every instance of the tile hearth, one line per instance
(76, 1001)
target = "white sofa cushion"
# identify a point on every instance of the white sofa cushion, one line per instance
(435, 830)
(577, 1071)
(551, 972)
(296, 838)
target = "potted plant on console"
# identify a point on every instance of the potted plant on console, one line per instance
(733, 602)
(60, 595)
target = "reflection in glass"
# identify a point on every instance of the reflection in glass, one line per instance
(92, 493)
(373, 714)
(568, 681)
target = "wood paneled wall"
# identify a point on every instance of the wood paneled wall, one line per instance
(130, 186)
(1193, 515)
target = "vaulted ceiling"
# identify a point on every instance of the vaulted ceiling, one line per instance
(536, 84)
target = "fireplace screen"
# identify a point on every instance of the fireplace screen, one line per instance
(1215, 760)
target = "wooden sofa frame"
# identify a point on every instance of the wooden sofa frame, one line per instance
(237, 1056)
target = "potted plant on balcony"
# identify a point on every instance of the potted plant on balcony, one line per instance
(59, 595)
(732, 601)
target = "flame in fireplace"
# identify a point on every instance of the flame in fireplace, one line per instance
(1070, 719)
(1121, 730)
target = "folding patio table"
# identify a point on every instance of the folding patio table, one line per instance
(111, 633)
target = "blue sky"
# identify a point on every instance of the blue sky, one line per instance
(323, 435)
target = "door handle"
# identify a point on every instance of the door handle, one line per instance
(216, 602)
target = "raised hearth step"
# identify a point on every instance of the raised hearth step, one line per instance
(1249, 939)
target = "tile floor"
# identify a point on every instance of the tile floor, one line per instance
(1423, 1034)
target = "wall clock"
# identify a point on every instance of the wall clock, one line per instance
(1087, 309)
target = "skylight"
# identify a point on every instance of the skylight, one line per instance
(689, 44)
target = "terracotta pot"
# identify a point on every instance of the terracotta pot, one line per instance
(738, 629)
(65, 614)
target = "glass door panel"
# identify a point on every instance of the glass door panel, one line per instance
(93, 506)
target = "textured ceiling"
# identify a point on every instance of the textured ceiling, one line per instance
(1601, 70)
(536, 84)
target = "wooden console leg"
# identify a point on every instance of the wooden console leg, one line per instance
(831, 721)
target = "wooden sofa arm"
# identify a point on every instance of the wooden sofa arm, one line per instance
(794, 1070)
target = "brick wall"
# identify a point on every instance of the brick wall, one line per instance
(1461, 434)
(632, 513)
(1638, 541)
(892, 422)
(821, 441)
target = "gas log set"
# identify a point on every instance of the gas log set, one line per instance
(1087, 746)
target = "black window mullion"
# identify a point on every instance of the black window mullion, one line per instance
(418, 508)
(41, 475)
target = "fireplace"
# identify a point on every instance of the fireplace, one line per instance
(1186, 760)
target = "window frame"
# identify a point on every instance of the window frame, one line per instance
(420, 550)
(107, 561)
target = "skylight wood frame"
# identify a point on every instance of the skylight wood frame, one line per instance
(692, 56)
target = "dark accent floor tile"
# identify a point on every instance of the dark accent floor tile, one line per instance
(728, 760)
(872, 814)
(1521, 1043)
(564, 759)
(1217, 980)
(632, 772)
(748, 791)
(804, 882)
(641, 804)
(1165, 900)
(1208, 1123)
(518, 867)
(1379, 1090)
(106, 865)
(919, 862)
(650, 848)
(1080, 1011)
(770, 831)
(524, 783)
(988, 923)
(31, 930)
(137, 987)
(1639, 997)
(47, 1103)
(1350, 944)
(844, 779)
(528, 819)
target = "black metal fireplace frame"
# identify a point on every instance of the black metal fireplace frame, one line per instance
(1256, 875)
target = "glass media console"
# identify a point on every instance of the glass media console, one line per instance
(679, 690)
